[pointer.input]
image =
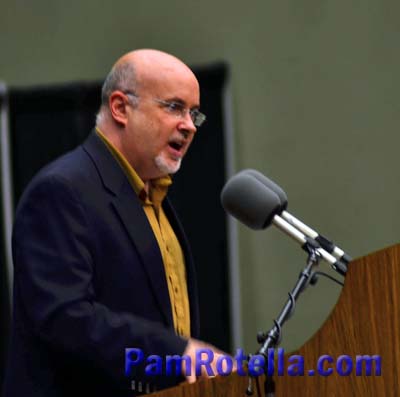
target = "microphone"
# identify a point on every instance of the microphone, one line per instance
(248, 199)
(324, 242)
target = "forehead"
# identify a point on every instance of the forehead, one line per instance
(175, 81)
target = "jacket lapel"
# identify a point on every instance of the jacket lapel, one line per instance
(129, 209)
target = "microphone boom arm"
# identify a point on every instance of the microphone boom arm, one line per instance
(306, 241)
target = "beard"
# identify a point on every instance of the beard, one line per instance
(167, 166)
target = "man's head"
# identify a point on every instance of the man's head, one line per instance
(150, 103)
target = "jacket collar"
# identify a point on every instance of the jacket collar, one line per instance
(111, 174)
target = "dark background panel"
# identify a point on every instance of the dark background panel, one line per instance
(46, 122)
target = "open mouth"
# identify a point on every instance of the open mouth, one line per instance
(176, 145)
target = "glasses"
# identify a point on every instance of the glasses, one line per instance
(177, 109)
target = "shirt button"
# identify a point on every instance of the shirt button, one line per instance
(179, 311)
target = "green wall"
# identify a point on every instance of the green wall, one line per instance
(316, 102)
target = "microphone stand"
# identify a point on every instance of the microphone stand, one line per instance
(273, 338)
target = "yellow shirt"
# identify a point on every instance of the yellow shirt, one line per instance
(171, 251)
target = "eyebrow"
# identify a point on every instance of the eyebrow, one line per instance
(182, 102)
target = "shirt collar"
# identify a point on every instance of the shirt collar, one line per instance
(158, 187)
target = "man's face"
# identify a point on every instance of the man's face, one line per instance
(157, 137)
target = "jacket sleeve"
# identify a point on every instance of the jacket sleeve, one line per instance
(54, 272)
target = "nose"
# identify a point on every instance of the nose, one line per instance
(187, 125)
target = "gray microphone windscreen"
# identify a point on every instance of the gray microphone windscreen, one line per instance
(250, 201)
(271, 185)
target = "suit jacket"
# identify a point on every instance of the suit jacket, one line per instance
(89, 282)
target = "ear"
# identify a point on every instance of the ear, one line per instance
(118, 107)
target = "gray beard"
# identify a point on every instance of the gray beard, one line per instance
(166, 168)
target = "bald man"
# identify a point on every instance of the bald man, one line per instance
(101, 261)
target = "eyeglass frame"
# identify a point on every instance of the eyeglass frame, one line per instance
(177, 109)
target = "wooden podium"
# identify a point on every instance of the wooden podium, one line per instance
(365, 321)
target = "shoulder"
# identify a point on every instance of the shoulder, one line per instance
(63, 179)
(77, 167)
(72, 168)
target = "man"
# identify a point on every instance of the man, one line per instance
(101, 261)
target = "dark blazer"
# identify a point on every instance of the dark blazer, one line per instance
(89, 282)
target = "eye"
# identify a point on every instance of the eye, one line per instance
(175, 107)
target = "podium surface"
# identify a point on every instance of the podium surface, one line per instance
(364, 321)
